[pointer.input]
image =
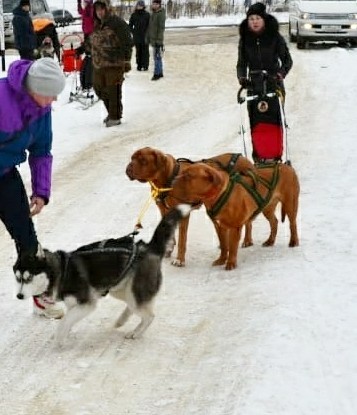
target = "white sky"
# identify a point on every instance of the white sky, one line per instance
(275, 336)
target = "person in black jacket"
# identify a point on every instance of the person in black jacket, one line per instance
(262, 48)
(139, 24)
(25, 38)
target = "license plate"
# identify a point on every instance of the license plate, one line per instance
(331, 28)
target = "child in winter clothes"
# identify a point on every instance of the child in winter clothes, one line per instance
(27, 94)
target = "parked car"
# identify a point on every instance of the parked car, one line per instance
(322, 20)
(63, 17)
(39, 9)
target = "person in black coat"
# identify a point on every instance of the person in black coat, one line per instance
(139, 23)
(25, 38)
(262, 47)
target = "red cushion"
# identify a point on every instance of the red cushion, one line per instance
(267, 140)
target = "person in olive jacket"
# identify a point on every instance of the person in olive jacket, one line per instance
(111, 54)
(156, 36)
(139, 24)
(262, 47)
(24, 34)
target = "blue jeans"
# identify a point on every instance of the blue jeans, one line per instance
(157, 60)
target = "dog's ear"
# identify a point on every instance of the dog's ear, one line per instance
(213, 177)
(40, 254)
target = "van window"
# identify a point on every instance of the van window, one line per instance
(37, 6)
(9, 5)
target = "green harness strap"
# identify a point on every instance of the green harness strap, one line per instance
(236, 178)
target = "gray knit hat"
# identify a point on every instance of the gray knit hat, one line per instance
(45, 77)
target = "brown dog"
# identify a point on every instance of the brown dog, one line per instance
(151, 165)
(234, 202)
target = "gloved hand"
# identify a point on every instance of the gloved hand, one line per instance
(127, 66)
(160, 47)
(243, 81)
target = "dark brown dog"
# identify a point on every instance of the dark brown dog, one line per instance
(151, 165)
(200, 183)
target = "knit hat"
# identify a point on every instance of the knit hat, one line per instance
(258, 9)
(24, 3)
(102, 3)
(45, 77)
(140, 3)
(156, 1)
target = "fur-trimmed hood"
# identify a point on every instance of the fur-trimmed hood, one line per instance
(271, 28)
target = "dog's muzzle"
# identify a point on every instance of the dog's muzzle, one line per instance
(20, 296)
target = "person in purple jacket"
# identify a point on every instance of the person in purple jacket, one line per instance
(26, 130)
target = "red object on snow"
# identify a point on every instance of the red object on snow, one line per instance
(70, 62)
(267, 141)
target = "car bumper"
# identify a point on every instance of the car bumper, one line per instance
(311, 30)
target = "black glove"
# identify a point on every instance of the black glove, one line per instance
(160, 47)
(243, 81)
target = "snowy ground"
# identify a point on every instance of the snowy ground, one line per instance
(275, 336)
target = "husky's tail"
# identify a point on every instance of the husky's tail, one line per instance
(166, 228)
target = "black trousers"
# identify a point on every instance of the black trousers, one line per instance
(15, 212)
(142, 55)
(27, 54)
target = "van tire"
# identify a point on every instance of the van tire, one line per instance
(292, 38)
(300, 42)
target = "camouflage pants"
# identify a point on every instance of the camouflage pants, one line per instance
(107, 84)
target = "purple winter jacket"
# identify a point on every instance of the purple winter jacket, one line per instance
(25, 127)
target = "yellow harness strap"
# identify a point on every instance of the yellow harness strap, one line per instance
(154, 193)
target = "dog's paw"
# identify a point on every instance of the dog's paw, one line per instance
(177, 263)
(131, 335)
(231, 265)
(247, 244)
(219, 261)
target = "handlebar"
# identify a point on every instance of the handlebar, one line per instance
(241, 99)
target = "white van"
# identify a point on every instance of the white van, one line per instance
(322, 20)
(39, 8)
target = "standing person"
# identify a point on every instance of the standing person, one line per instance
(87, 15)
(139, 24)
(111, 54)
(27, 94)
(262, 47)
(24, 34)
(44, 28)
(156, 37)
(263, 62)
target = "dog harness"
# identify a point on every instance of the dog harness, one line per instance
(236, 178)
(127, 246)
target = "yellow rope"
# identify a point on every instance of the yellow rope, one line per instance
(154, 193)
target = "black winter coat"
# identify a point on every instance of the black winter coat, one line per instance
(24, 34)
(266, 51)
(139, 24)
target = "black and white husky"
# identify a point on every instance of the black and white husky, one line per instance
(128, 270)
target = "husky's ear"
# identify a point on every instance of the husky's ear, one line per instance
(40, 252)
